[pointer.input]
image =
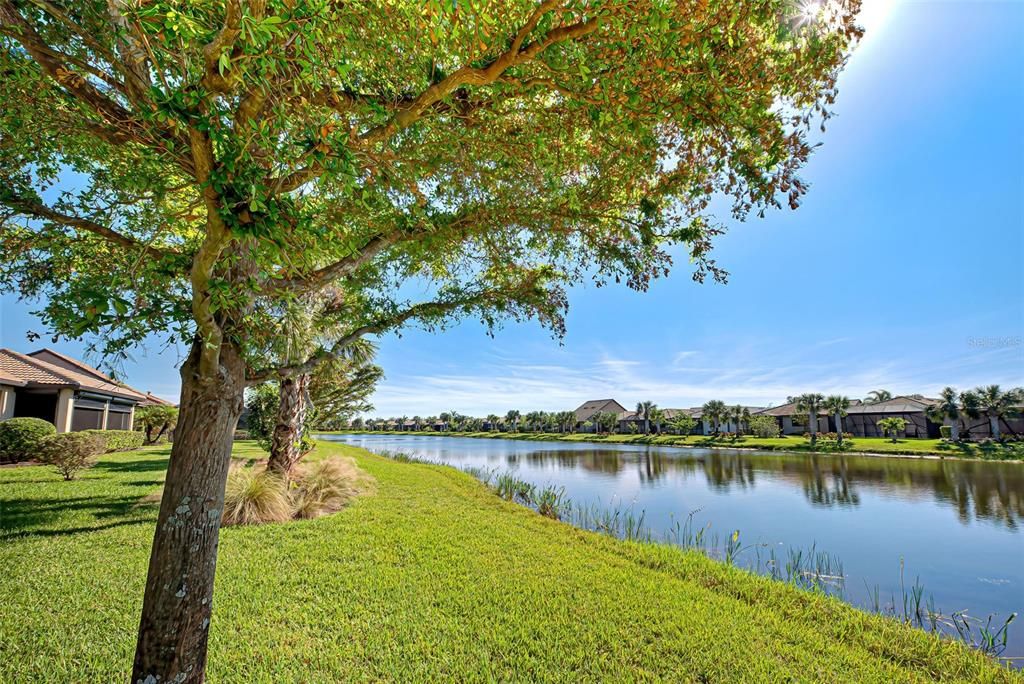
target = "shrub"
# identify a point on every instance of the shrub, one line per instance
(71, 452)
(946, 431)
(252, 497)
(764, 426)
(118, 440)
(324, 487)
(830, 441)
(22, 438)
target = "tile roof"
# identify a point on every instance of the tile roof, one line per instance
(587, 410)
(153, 400)
(785, 410)
(37, 372)
(10, 380)
(894, 405)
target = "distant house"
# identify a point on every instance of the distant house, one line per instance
(862, 418)
(589, 409)
(64, 391)
(793, 422)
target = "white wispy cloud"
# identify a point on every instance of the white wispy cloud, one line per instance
(746, 375)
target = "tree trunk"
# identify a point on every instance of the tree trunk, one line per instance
(839, 427)
(954, 429)
(286, 442)
(812, 424)
(993, 421)
(178, 601)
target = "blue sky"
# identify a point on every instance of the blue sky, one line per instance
(903, 269)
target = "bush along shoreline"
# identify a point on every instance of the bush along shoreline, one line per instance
(808, 569)
(1010, 451)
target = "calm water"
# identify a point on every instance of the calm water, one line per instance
(956, 524)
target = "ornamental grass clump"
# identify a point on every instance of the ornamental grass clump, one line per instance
(254, 497)
(325, 487)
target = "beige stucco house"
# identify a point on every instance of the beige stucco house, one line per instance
(64, 391)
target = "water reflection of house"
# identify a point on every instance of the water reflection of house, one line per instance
(64, 391)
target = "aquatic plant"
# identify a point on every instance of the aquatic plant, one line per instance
(552, 503)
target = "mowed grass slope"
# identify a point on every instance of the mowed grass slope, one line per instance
(431, 577)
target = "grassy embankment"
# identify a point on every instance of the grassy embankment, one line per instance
(431, 577)
(867, 445)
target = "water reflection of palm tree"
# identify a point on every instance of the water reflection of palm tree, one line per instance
(653, 466)
(827, 482)
(724, 469)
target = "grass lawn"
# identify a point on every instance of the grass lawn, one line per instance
(871, 445)
(431, 577)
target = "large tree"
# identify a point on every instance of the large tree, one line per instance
(193, 168)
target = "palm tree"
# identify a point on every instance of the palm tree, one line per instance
(714, 411)
(512, 418)
(996, 404)
(656, 416)
(878, 396)
(739, 415)
(836, 405)
(643, 412)
(492, 420)
(949, 410)
(811, 403)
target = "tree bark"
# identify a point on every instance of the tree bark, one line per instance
(178, 601)
(954, 429)
(839, 427)
(286, 442)
(993, 422)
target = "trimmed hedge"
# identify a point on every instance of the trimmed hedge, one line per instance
(22, 438)
(119, 440)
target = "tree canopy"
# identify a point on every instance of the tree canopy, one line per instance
(195, 167)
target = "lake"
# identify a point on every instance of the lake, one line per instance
(955, 524)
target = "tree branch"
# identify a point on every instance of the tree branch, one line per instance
(224, 41)
(464, 76)
(344, 266)
(29, 207)
(113, 114)
(384, 324)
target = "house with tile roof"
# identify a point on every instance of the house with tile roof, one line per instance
(862, 418)
(588, 409)
(64, 391)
